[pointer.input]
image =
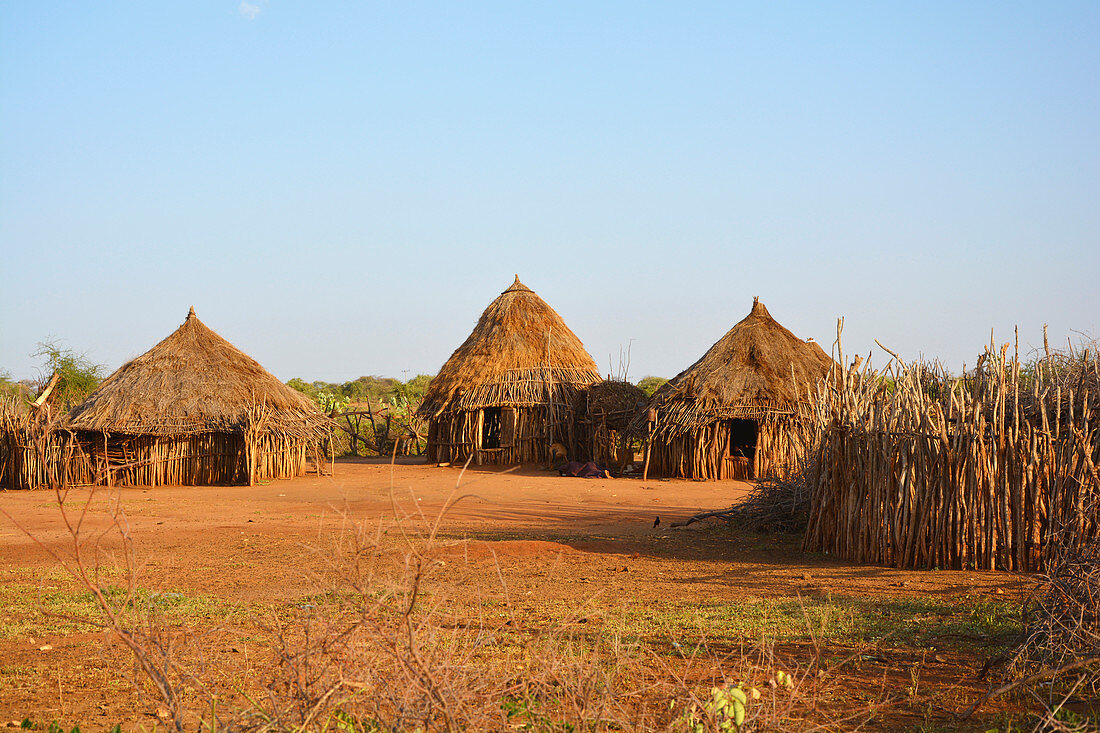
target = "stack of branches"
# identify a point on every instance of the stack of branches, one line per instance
(773, 505)
(1056, 658)
(1074, 367)
(1062, 616)
(776, 505)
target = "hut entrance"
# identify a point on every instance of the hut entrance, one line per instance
(490, 428)
(741, 449)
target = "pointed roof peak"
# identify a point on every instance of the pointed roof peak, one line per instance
(758, 308)
(518, 287)
(757, 365)
(518, 335)
(191, 381)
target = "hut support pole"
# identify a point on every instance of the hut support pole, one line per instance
(106, 461)
(648, 443)
(549, 404)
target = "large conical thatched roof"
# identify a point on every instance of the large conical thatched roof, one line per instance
(194, 381)
(519, 346)
(757, 368)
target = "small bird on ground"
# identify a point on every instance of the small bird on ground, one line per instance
(656, 523)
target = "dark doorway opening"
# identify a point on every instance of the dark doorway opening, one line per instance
(741, 451)
(742, 438)
(490, 428)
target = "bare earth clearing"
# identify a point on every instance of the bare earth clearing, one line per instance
(546, 549)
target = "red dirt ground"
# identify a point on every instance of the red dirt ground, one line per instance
(554, 541)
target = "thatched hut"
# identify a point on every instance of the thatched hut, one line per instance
(195, 410)
(735, 412)
(510, 390)
(606, 410)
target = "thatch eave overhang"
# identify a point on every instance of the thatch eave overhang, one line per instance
(306, 428)
(683, 417)
(519, 388)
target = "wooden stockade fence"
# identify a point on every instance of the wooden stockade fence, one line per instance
(914, 469)
(35, 453)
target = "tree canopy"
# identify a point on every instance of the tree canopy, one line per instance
(78, 376)
(650, 384)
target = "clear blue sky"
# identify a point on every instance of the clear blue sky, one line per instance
(340, 188)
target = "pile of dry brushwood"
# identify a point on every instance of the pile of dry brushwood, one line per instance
(1056, 659)
(1062, 617)
(773, 505)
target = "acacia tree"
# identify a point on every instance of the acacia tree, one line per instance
(78, 376)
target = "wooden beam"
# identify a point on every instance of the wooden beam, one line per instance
(46, 391)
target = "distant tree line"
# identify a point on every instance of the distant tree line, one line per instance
(391, 423)
(378, 392)
(9, 386)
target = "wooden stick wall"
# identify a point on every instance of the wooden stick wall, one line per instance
(37, 454)
(702, 452)
(917, 470)
(454, 436)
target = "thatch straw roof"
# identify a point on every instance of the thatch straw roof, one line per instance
(614, 402)
(519, 346)
(194, 381)
(757, 369)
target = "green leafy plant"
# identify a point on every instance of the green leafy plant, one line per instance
(727, 707)
(55, 727)
(331, 403)
(78, 376)
(524, 713)
(650, 384)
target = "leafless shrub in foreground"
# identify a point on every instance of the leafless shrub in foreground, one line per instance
(1062, 618)
(386, 645)
(1057, 660)
(1062, 638)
